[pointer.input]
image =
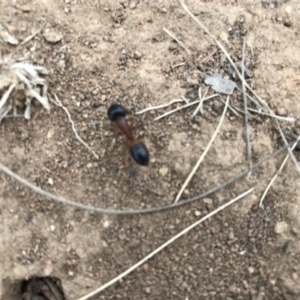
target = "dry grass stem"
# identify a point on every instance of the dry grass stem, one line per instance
(204, 153)
(184, 106)
(289, 149)
(201, 100)
(58, 103)
(277, 174)
(231, 108)
(160, 106)
(246, 109)
(280, 118)
(163, 246)
(30, 37)
(177, 40)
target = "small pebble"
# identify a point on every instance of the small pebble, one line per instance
(137, 55)
(208, 201)
(281, 111)
(28, 217)
(89, 165)
(71, 273)
(186, 192)
(287, 24)
(163, 171)
(25, 8)
(50, 134)
(281, 227)
(81, 96)
(48, 268)
(52, 37)
(224, 36)
(294, 276)
(288, 9)
(105, 224)
(132, 5)
(231, 236)
(50, 181)
(52, 227)
(197, 213)
(288, 247)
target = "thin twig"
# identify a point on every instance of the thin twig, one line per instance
(287, 119)
(29, 38)
(203, 154)
(277, 174)
(58, 103)
(157, 209)
(199, 107)
(184, 106)
(6, 95)
(289, 149)
(163, 246)
(231, 108)
(159, 106)
(177, 40)
(246, 110)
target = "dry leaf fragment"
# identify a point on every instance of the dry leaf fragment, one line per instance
(221, 85)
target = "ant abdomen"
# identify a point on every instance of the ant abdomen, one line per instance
(140, 154)
(115, 111)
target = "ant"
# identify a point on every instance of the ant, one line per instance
(117, 113)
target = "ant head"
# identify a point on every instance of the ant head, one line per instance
(140, 154)
(115, 111)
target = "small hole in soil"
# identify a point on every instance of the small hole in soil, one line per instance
(36, 288)
(42, 288)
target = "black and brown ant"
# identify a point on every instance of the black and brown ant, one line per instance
(139, 152)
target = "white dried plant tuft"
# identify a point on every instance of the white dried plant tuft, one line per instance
(20, 83)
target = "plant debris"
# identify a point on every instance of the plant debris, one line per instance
(20, 84)
(6, 37)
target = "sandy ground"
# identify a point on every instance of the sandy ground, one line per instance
(117, 51)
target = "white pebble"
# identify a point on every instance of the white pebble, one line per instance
(288, 9)
(281, 227)
(105, 224)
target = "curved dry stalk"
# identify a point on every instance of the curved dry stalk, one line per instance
(159, 106)
(58, 103)
(177, 40)
(280, 118)
(286, 143)
(277, 174)
(184, 106)
(163, 246)
(203, 154)
(201, 100)
(246, 109)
